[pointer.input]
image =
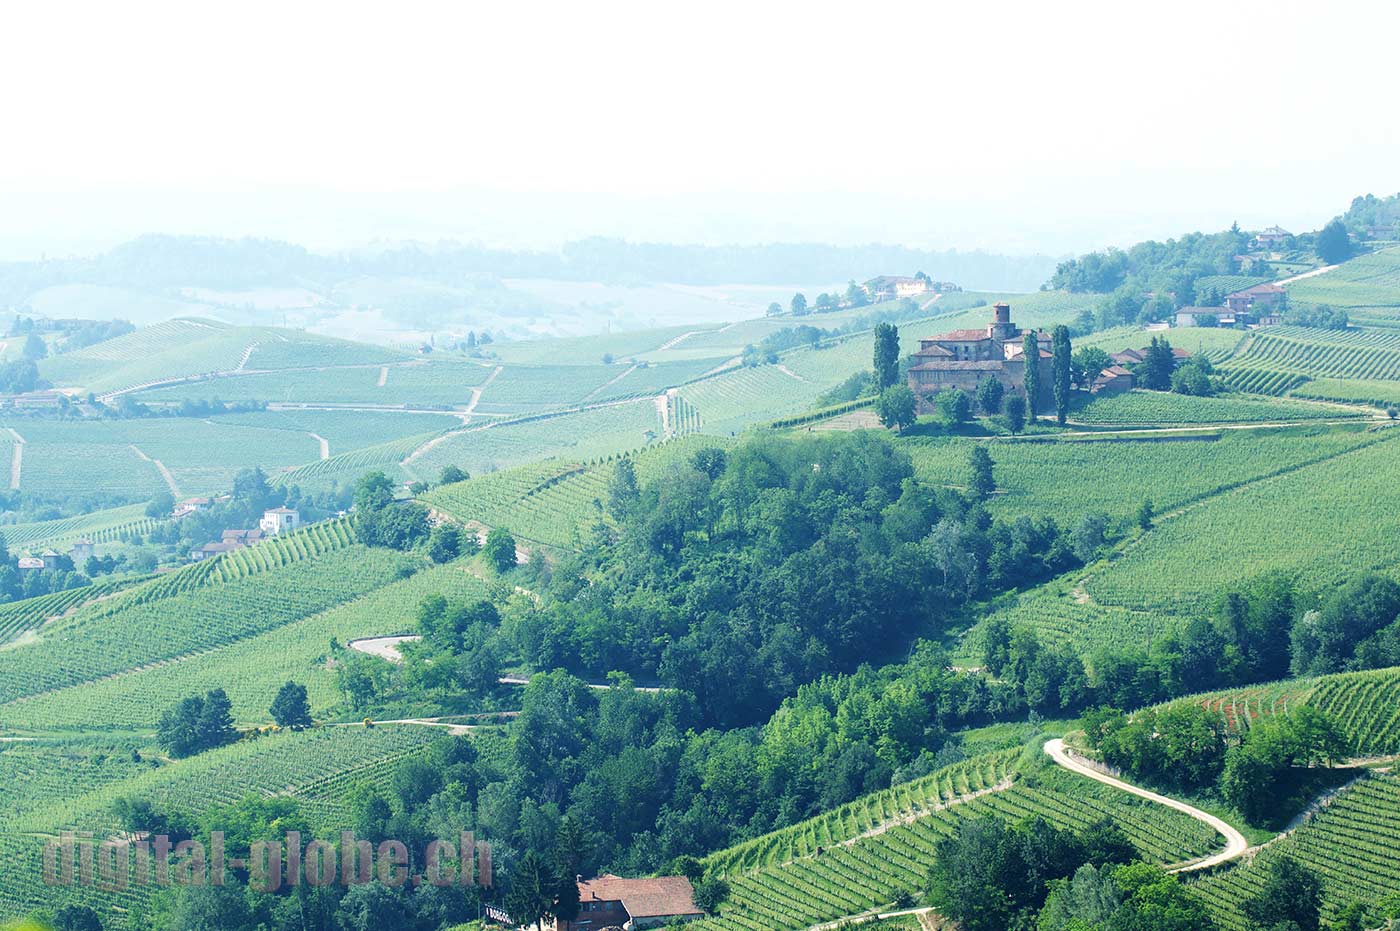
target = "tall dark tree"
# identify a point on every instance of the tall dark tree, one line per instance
(290, 708)
(1062, 370)
(1030, 348)
(1015, 413)
(1291, 893)
(799, 305)
(178, 730)
(886, 355)
(215, 727)
(981, 483)
(500, 549)
(1157, 368)
(1333, 242)
(622, 488)
(990, 393)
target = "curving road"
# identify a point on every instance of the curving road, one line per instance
(1235, 845)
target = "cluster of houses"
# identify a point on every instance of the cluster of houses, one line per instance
(894, 287)
(274, 521)
(1261, 305)
(79, 553)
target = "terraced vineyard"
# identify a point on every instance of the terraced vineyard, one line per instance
(98, 526)
(18, 617)
(188, 348)
(1146, 408)
(1263, 379)
(1365, 704)
(1360, 354)
(1325, 521)
(345, 469)
(588, 434)
(293, 762)
(1379, 393)
(1351, 844)
(249, 669)
(414, 385)
(1047, 475)
(547, 503)
(1368, 281)
(175, 616)
(878, 849)
(729, 402)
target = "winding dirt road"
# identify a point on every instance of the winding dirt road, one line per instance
(1235, 845)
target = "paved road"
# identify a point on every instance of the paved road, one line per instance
(1235, 845)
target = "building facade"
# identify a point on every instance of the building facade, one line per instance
(963, 358)
(279, 520)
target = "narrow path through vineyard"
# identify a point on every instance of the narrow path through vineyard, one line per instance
(1235, 843)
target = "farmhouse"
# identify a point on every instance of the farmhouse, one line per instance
(613, 902)
(1256, 301)
(29, 563)
(1273, 236)
(963, 358)
(189, 506)
(1191, 316)
(1113, 380)
(279, 520)
(81, 551)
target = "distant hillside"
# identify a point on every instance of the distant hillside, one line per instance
(159, 263)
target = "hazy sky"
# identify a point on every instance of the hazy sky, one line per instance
(1008, 126)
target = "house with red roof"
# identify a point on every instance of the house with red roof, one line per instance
(609, 901)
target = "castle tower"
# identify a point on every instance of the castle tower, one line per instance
(1002, 329)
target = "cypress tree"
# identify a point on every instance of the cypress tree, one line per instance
(1030, 347)
(1062, 371)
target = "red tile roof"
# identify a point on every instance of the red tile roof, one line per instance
(1116, 371)
(656, 897)
(963, 336)
(937, 351)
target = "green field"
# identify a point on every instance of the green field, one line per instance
(1325, 521)
(187, 348)
(1073, 477)
(1368, 281)
(249, 669)
(415, 384)
(1157, 408)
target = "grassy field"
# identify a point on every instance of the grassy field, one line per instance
(191, 347)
